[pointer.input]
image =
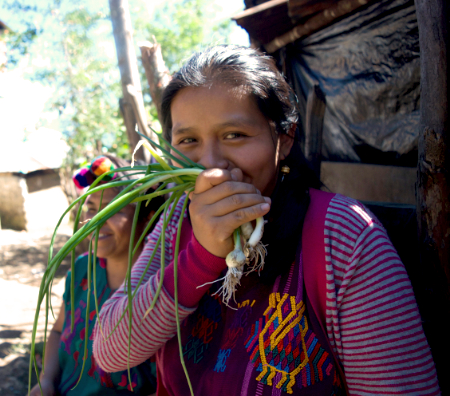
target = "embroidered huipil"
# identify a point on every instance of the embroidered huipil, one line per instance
(94, 380)
(370, 319)
(268, 345)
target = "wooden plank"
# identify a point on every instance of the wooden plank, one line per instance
(156, 71)
(299, 9)
(129, 73)
(433, 181)
(315, 111)
(266, 21)
(259, 8)
(316, 22)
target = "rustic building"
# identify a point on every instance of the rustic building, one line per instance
(32, 199)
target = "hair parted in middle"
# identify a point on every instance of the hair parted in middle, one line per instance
(236, 67)
(249, 71)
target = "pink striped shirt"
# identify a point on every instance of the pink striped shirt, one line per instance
(371, 317)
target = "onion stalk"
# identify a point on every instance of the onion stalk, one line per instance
(135, 191)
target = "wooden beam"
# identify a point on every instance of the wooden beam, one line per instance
(266, 21)
(434, 141)
(259, 8)
(156, 71)
(129, 74)
(433, 171)
(316, 22)
(299, 9)
(315, 112)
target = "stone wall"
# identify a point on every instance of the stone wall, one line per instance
(13, 191)
(31, 202)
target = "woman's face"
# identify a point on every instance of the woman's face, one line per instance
(220, 127)
(115, 233)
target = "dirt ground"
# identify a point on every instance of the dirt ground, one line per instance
(23, 259)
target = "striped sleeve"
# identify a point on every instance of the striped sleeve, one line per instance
(372, 318)
(148, 334)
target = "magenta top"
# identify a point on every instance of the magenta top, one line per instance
(359, 305)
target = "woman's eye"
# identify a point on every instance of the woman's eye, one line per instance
(234, 135)
(187, 141)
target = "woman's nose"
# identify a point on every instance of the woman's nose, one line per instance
(212, 156)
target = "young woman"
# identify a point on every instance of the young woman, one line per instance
(331, 313)
(65, 348)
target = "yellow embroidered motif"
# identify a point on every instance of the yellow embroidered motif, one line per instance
(245, 303)
(282, 325)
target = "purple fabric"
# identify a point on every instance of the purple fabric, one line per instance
(221, 345)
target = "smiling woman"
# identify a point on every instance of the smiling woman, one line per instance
(331, 313)
(63, 360)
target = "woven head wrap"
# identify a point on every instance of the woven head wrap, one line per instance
(85, 176)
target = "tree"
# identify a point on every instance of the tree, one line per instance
(69, 49)
(181, 27)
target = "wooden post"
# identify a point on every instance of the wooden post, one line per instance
(433, 178)
(315, 111)
(156, 71)
(129, 74)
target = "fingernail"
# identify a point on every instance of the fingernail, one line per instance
(233, 176)
(259, 192)
(265, 206)
(267, 199)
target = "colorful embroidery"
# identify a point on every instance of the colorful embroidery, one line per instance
(234, 332)
(282, 342)
(337, 386)
(208, 316)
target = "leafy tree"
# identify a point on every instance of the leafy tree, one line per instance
(182, 27)
(67, 49)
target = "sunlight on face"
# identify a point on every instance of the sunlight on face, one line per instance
(115, 234)
(218, 128)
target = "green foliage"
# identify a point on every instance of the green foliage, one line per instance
(70, 46)
(183, 27)
(19, 42)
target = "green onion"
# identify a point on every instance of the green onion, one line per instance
(135, 192)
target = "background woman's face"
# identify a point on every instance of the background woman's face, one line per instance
(115, 233)
(220, 127)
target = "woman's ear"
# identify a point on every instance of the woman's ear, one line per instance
(286, 142)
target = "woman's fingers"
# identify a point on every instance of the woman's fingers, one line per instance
(220, 203)
(212, 177)
(238, 217)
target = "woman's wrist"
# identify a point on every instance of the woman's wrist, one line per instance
(196, 266)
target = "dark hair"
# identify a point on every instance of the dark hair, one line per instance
(235, 66)
(257, 74)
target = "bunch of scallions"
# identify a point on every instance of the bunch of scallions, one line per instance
(248, 248)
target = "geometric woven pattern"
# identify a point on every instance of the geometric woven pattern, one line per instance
(282, 343)
(233, 333)
(209, 314)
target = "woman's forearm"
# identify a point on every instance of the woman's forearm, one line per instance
(196, 267)
(52, 369)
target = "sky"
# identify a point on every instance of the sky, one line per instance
(22, 101)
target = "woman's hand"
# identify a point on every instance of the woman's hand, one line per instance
(220, 203)
(48, 388)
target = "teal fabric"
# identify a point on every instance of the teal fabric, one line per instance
(94, 380)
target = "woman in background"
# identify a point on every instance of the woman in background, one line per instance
(65, 348)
